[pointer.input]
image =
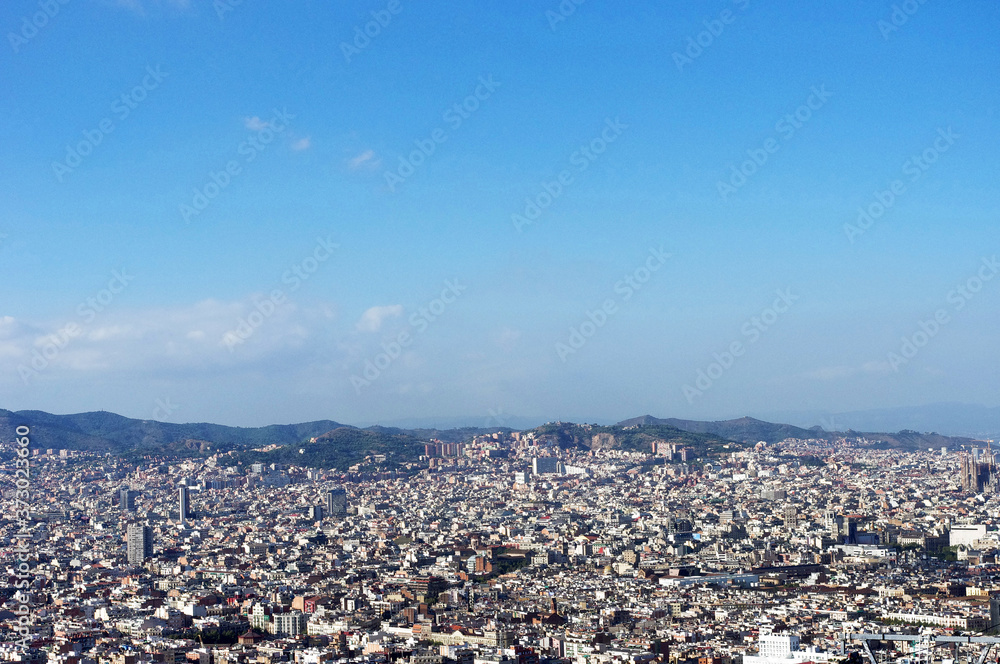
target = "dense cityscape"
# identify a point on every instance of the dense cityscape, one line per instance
(319, 322)
(505, 549)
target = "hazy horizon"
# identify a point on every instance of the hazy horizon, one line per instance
(237, 213)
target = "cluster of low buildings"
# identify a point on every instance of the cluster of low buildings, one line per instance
(505, 549)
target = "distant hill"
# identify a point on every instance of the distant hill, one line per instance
(636, 437)
(750, 430)
(913, 441)
(341, 448)
(107, 432)
(338, 445)
(745, 429)
(459, 435)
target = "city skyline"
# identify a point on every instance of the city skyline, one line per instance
(510, 548)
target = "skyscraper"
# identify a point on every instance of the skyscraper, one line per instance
(126, 499)
(185, 504)
(994, 627)
(791, 516)
(139, 540)
(336, 502)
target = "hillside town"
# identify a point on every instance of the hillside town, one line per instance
(505, 549)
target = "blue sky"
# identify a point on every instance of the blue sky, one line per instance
(668, 120)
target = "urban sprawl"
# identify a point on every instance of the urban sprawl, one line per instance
(505, 549)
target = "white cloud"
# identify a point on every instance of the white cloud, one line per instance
(302, 144)
(298, 361)
(371, 320)
(151, 341)
(366, 159)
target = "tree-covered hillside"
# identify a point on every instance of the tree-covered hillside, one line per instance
(637, 438)
(342, 448)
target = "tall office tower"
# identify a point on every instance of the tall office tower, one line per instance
(316, 512)
(791, 516)
(185, 504)
(336, 502)
(994, 627)
(139, 539)
(849, 531)
(836, 524)
(126, 499)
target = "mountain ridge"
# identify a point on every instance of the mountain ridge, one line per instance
(750, 430)
(104, 431)
(744, 429)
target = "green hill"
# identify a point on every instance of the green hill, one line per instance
(341, 448)
(635, 437)
(744, 429)
(107, 432)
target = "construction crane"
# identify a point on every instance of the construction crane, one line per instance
(987, 643)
